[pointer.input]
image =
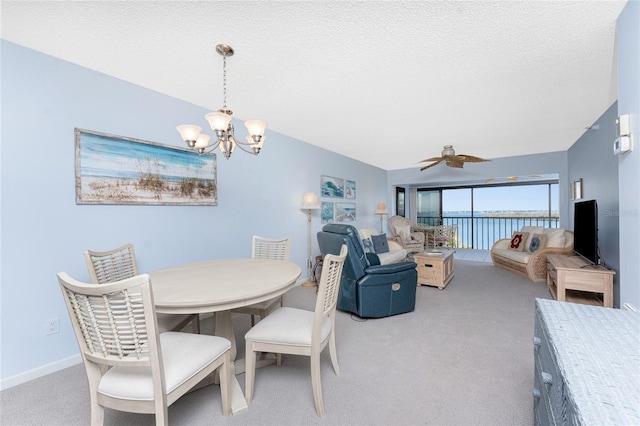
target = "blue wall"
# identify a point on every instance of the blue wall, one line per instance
(44, 231)
(591, 159)
(628, 54)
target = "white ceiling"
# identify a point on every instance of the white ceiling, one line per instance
(388, 83)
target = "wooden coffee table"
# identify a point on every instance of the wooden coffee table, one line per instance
(435, 267)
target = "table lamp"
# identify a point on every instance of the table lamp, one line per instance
(309, 202)
(381, 210)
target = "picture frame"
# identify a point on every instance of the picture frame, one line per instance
(326, 212)
(331, 187)
(350, 190)
(345, 212)
(119, 170)
(577, 189)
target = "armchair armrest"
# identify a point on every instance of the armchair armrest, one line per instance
(537, 264)
(501, 244)
(418, 236)
(391, 268)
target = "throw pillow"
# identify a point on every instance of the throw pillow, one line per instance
(538, 241)
(518, 240)
(380, 243)
(556, 237)
(368, 245)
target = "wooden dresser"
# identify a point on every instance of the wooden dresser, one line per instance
(586, 362)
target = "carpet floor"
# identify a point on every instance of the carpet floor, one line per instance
(463, 357)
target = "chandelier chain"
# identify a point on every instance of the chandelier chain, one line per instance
(224, 80)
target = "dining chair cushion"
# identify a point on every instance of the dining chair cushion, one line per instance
(184, 355)
(289, 326)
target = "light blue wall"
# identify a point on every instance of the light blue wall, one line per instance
(628, 54)
(591, 159)
(43, 231)
(547, 163)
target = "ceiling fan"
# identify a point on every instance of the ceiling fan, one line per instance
(451, 159)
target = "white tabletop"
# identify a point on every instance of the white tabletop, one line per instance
(219, 285)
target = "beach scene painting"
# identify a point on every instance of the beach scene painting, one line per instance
(331, 187)
(350, 190)
(345, 212)
(326, 211)
(119, 170)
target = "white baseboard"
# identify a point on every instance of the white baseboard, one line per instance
(629, 307)
(41, 371)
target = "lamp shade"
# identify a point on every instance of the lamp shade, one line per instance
(255, 127)
(310, 201)
(381, 209)
(218, 120)
(189, 132)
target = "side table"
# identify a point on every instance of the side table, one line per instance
(435, 268)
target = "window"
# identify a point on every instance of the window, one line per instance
(400, 200)
(485, 214)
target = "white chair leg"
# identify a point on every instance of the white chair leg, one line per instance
(94, 373)
(316, 384)
(249, 371)
(162, 414)
(224, 372)
(334, 353)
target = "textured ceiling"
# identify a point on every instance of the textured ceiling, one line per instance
(388, 83)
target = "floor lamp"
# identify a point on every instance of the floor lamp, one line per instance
(309, 202)
(381, 211)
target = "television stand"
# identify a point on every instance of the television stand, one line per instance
(568, 280)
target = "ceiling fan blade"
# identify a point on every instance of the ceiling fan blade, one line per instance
(470, 158)
(431, 159)
(431, 165)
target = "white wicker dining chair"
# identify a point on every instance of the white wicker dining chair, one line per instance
(120, 263)
(115, 326)
(299, 332)
(442, 236)
(266, 248)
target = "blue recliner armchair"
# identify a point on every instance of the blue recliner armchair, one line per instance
(369, 291)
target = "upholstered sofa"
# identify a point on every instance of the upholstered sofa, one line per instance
(395, 254)
(369, 290)
(529, 263)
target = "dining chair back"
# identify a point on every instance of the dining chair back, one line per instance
(270, 248)
(266, 248)
(300, 332)
(119, 264)
(129, 365)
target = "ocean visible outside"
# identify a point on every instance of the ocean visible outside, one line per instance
(497, 211)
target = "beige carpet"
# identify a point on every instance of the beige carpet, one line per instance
(463, 357)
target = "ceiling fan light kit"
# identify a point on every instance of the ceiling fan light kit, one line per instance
(451, 159)
(220, 123)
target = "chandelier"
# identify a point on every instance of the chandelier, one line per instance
(220, 123)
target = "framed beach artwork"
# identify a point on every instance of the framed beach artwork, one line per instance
(331, 187)
(326, 212)
(345, 212)
(119, 170)
(350, 190)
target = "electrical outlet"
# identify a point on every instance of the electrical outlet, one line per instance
(52, 326)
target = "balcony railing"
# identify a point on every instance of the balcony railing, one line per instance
(480, 232)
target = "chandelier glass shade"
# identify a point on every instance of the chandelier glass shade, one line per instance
(220, 123)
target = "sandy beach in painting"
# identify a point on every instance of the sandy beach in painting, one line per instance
(110, 190)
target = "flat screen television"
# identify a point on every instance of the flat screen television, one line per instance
(585, 230)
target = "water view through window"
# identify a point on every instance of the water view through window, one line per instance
(483, 215)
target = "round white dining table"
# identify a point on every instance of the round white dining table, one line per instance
(218, 286)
